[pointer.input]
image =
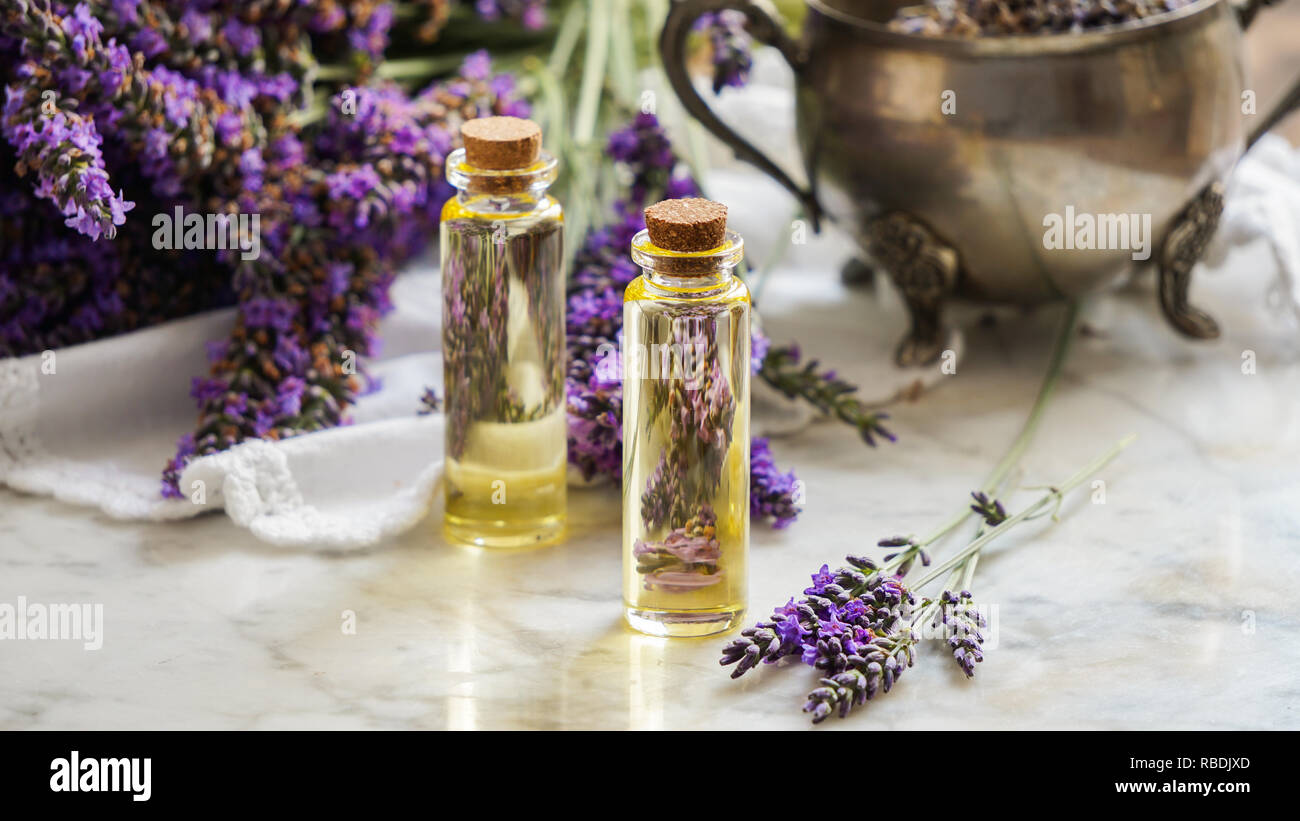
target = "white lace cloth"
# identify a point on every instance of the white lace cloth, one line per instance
(95, 424)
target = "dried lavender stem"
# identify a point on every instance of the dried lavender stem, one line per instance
(758, 280)
(1055, 494)
(958, 579)
(1017, 450)
(566, 40)
(968, 571)
(623, 56)
(593, 74)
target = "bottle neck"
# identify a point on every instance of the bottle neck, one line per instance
(502, 204)
(688, 275)
(695, 285)
(501, 191)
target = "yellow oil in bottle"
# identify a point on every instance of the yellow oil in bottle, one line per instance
(686, 365)
(503, 370)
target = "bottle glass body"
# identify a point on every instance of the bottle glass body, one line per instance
(686, 366)
(502, 247)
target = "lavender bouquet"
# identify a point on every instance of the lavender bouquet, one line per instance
(325, 125)
(859, 626)
(119, 112)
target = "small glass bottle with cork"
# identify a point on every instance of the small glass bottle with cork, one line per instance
(686, 364)
(502, 246)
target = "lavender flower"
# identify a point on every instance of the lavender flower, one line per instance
(990, 510)
(595, 431)
(772, 494)
(957, 612)
(644, 149)
(864, 676)
(429, 402)
(731, 46)
(172, 473)
(60, 288)
(686, 559)
(912, 550)
(759, 345)
(64, 151)
(531, 13)
(782, 369)
(856, 624)
(844, 622)
(370, 33)
(164, 119)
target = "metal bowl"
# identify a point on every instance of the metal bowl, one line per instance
(951, 160)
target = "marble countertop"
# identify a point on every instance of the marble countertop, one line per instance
(1171, 605)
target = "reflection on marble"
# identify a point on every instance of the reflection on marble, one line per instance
(1171, 605)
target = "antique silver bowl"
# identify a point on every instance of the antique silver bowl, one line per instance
(952, 160)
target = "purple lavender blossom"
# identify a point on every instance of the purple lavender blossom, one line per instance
(686, 559)
(848, 619)
(244, 38)
(370, 35)
(958, 613)
(731, 45)
(477, 66)
(783, 369)
(530, 13)
(64, 151)
(855, 625)
(772, 494)
(172, 473)
(990, 510)
(430, 402)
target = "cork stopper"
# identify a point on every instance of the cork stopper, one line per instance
(501, 143)
(689, 225)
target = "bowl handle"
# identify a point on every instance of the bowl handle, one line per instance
(1191, 229)
(672, 48)
(1247, 10)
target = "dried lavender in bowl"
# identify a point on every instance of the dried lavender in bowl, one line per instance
(984, 18)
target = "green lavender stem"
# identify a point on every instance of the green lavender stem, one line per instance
(1054, 495)
(593, 72)
(623, 55)
(586, 114)
(993, 482)
(421, 68)
(758, 280)
(566, 39)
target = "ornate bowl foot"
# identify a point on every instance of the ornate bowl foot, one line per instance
(857, 271)
(924, 270)
(915, 349)
(1183, 245)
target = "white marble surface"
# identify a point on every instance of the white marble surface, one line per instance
(1124, 614)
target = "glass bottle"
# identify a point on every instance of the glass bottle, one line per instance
(503, 291)
(686, 364)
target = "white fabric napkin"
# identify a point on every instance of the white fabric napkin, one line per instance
(95, 424)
